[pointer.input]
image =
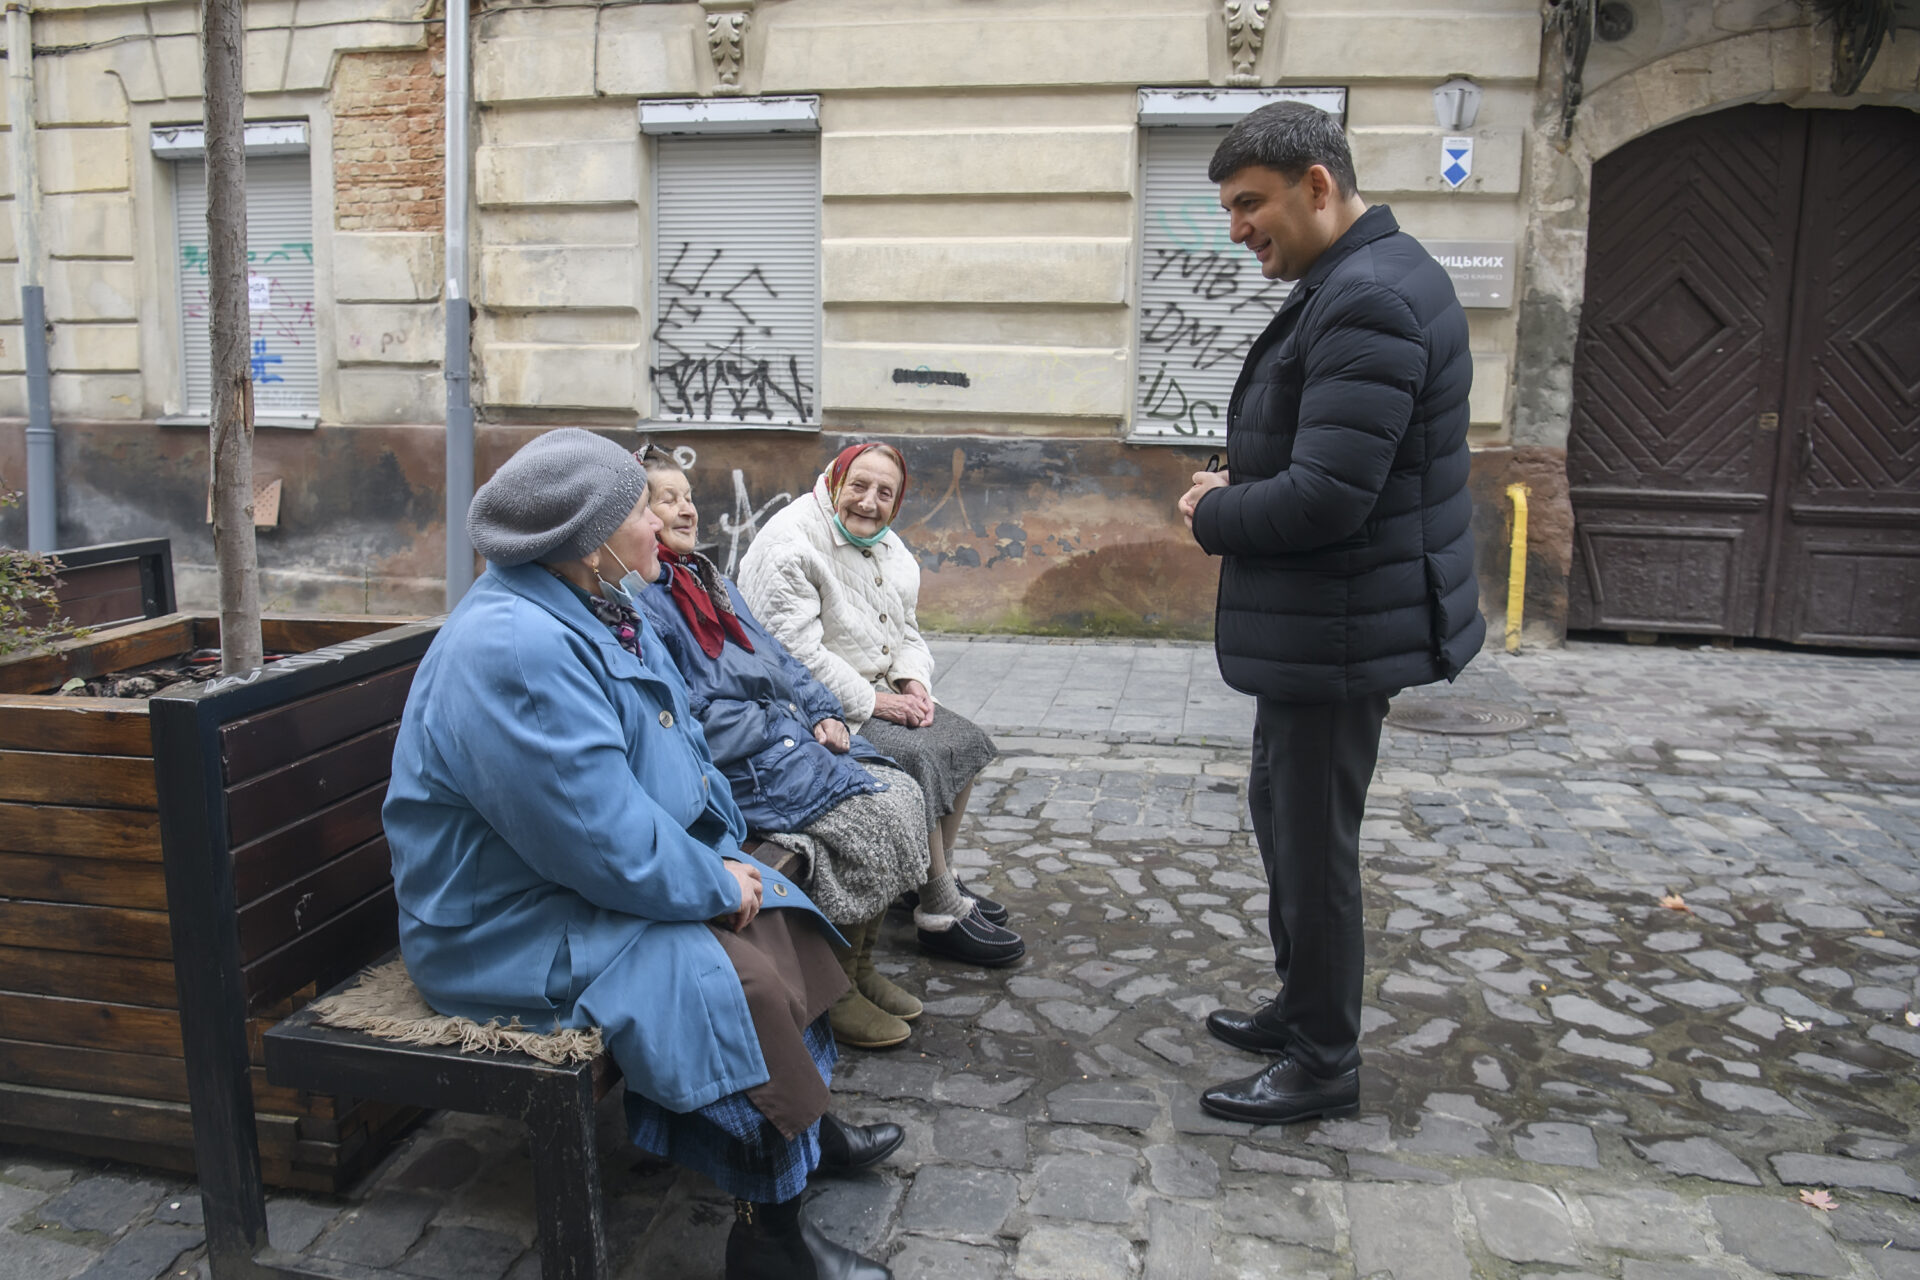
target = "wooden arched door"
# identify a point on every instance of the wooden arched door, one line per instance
(1745, 449)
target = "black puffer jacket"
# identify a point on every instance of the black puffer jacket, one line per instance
(1346, 532)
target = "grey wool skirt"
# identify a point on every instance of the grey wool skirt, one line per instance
(944, 757)
(865, 851)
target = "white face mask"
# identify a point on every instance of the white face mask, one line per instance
(630, 583)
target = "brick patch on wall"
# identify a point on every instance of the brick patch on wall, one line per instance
(389, 139)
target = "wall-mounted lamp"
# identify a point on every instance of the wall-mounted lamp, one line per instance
(1456, 104)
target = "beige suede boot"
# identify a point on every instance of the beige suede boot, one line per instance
(858, 1022)
(875, 985)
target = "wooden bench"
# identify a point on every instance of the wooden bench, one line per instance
(115, 582)
(281, 888)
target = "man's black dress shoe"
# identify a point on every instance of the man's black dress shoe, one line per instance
(849, 1148)
(1246, 1031)
(1283, 1094)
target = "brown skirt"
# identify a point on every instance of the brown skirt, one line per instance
(790, 977)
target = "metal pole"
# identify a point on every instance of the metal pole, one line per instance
(43, 499)
(459, 364)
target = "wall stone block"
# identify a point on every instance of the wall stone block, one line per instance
(1342, 47)
(559, 173)
(1487, 402)
(540, 276)
(90, 225)
(376, 394)
(91, 347)
(389, 333)
(1067, 381)
(555, 376)
(534, 55)
(989, 162)
(12, 358)
(178, 58)
(386, 266)
(83, 290)
(1408, 159)
(100, 396)
(266, 60)
(961, 271)
(10, 294)
(909, 51)
(649, 51)
(83, 160)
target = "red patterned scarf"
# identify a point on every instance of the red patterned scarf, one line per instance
(701, 595)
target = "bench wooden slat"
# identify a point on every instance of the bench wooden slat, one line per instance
(130, 834)
(91, 1024)
(275, 799)
(104, 652)
(93, 881)
(137, 1075)
(311, 901)
(88, 726)
(325, 954)
(263, 866)
(66, 778)
(78, 976)
(279, 737)
(99, 931)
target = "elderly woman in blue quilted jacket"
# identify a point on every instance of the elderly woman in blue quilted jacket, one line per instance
(798, 775)
(565, 853)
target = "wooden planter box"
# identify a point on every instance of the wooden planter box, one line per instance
(90, 1042)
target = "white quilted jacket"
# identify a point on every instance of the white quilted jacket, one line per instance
(845, 611)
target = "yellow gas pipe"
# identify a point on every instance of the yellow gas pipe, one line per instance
(1517, 566)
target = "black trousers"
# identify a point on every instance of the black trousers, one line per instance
(1312, 763)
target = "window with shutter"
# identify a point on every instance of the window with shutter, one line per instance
(280, 286)
(736, 256)
(1202, 300)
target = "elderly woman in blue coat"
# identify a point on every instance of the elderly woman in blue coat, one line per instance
(797, 773)
(566, 854)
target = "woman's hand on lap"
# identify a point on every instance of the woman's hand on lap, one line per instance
(922, 700)
(751, 891)
(897, 707)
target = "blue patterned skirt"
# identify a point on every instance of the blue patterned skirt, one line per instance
(729, 1141)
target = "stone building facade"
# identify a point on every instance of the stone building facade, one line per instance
(1014, 273)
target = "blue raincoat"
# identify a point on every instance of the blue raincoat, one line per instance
(758, 710)
(559, 837)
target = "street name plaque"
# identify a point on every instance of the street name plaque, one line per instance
(1482, 270)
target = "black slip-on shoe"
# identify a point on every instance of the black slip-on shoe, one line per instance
(849, 1148)
(970, 939)
(993, 911)
(1283, 1094)
(1246, 1031)
(798, 1252)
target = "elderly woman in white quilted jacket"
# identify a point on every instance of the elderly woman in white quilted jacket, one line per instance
(829, 577)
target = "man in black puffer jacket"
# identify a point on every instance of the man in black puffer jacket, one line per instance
(1343, 522)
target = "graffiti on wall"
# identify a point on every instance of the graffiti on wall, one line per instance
(1203, 302)
(718, 350)
(280, 316)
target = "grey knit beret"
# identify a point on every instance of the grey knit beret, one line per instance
(558, 498)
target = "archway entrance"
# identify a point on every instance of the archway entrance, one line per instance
(1745, 449)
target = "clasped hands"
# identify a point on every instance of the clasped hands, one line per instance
(1202, 481)
(912, 706)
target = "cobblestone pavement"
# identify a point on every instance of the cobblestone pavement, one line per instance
(1564, 1077)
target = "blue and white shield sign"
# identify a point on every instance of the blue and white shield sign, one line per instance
(1456, 161)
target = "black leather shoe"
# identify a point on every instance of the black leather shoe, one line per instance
(993, 911)
(798, 1252)
(849, 1148)
(973, 939)
(1284, 1093)
(1247, 1031)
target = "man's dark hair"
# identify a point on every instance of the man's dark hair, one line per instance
(1289, 138)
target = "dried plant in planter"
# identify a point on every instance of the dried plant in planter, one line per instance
(29, 605)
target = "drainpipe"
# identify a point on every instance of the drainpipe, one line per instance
(459, 357)
(42, 497)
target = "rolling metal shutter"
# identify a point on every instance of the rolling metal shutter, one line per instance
(286, 366)
(1202, 298)
(736, 253)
